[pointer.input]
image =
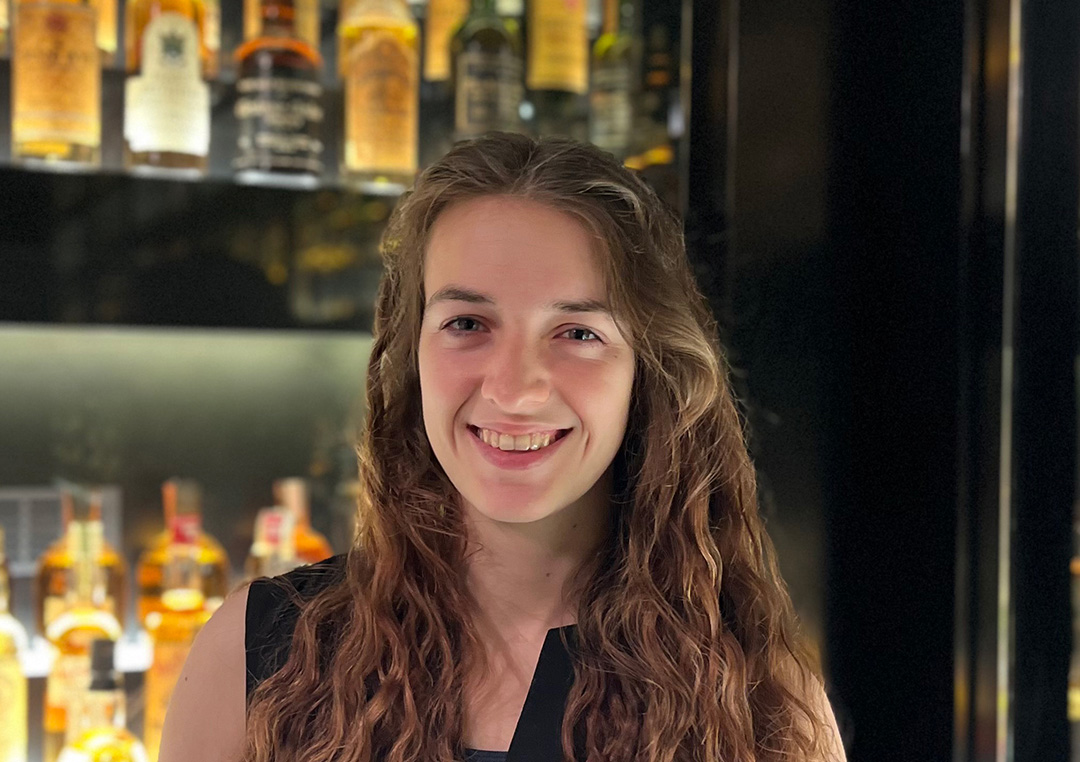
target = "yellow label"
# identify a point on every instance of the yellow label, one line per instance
(106, 24)
(381, 104)
(558, 46)
(69, 677)
(13, 708)
(443, 19)
(167, 106)
(56, 79)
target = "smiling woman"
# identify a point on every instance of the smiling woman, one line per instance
(558, 549)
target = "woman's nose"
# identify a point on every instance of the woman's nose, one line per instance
(516, 378)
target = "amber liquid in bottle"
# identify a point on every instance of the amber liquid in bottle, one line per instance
(56, 84)
(84, 619)
(179, 497)
(380, 48)
(279, 102)
(166, 100)
(306, 15)
(557, 66)
(311, 546)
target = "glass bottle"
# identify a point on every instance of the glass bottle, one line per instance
(84, 619)
(279, 102)
(487, 73)
(166, 100)
(557, 66)
(611, 97)
(13, 683)
(439, 20)
(311, 546)
(174, 628)
(273, 550)
(97, 731)
(181, 500)
(56, 84)
(380, 44)
(56, 567)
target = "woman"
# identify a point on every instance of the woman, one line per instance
(558, 546)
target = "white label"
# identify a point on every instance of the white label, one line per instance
(167, 105)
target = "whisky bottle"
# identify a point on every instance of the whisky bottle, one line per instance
(380, 42)
(273, 550)
(97, 731)
(174, 628)
(279, 102)
(611, 97)
(182, 503)
(106, 30)
(56, 84)
(13, 683)
(55, 569)
(166, 101)
(439, 20)
(306, 20)
(444, 17)
(311, 546)
(487, 73)
(557, 66)
(84, 619)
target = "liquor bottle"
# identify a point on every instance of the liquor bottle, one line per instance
(487, 73)
(557, 66)
(174, 628)
(56, 566)
(611, 97)
(439, 20)
(273, 550)
(56, 84)
(654, 144)
(311, 546)
(181, 500)
(306, 15)
(166, 101)
(380, 41)
(106, 30)
(13, 683)
(279, 102)
(444, 17)
(97, 729)
(84, 619)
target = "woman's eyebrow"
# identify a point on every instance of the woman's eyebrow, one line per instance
(461, 294)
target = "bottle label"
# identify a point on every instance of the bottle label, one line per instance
(13, 708)
(69, 677)
(487, 93)
(56, 79)
(443, 19)
(612, 111)
(381, 104)
(167, 105)
(558, 46)
(279, 116)
(185, 528)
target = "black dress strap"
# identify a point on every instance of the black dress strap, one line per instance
(538, 736)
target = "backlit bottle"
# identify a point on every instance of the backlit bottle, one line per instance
(487, 73)
(311, 546)
(611, 96)
(557, 66)
(273, 550)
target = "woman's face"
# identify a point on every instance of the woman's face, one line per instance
(515, 340)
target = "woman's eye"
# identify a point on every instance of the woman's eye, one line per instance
(458, 321)
(584, 330)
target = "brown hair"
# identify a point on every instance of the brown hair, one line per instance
(688, 646)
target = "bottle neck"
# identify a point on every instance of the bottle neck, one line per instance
(5, 588)
(279, 19)
(484, 8)
(85, 540)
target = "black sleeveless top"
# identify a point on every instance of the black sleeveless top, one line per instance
(271, 618)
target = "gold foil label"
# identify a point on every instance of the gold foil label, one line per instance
(558, 46)
(56, 79)
(443, 19)
(167, 106)
(381, 104)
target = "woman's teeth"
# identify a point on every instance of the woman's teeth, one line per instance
(509, 442)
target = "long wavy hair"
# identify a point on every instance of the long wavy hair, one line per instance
(688, 647)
